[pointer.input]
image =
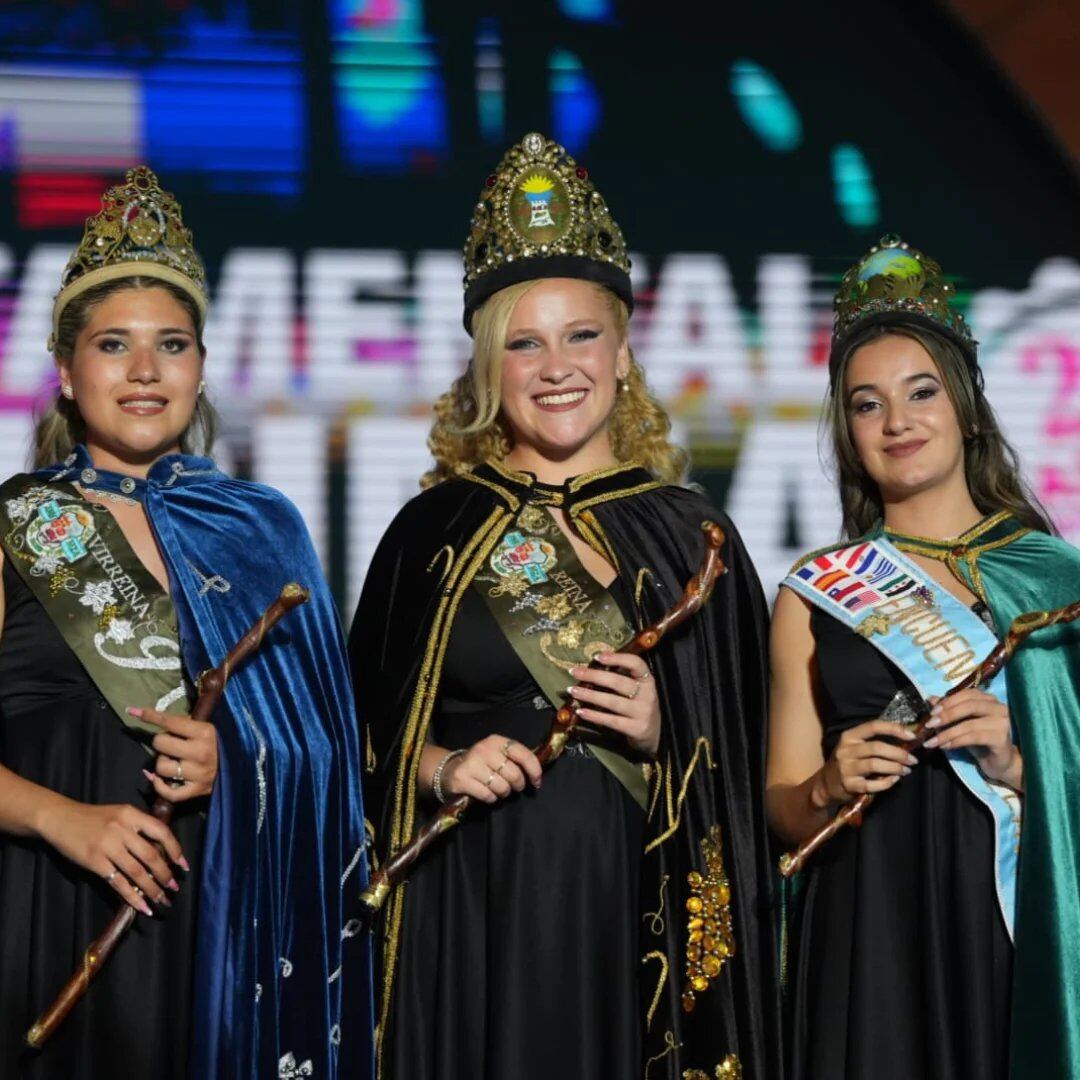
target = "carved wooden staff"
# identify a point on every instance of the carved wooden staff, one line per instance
(852, 814)
(211, 687)
(697, 592)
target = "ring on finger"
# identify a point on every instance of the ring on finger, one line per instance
(178, 777)
(491, 776)
(507, 745)
(109, 880)
(645, 677)
(630, 697)
(502, 766)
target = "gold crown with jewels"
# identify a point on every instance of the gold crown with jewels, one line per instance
(539, 215)
(895, 284)
(139, 230)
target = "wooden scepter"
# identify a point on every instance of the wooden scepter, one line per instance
(697, 592)
(852, 814)
(211, 686)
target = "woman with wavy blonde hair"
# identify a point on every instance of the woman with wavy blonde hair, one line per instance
(552, 527)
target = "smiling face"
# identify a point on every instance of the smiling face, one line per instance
(563, 357)
(134, 373)
(902, 422)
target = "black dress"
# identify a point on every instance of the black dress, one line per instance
(57, 730)
(519, 954)
(903, 962)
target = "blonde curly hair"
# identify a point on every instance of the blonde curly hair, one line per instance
(469, 428)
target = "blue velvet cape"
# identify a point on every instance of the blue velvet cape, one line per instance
(282, 978)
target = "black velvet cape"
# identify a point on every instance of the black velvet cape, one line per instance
(711, 675)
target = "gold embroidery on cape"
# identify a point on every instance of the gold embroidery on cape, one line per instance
(402, 814)
(657, 780)
(508, 497)
(711, 936)
(728, 1069)
(675, 811)
(670, 1045)
(639, 585)
(656, 918)
(586, 505)
(656, 954)
(602, 474)
(448, 551)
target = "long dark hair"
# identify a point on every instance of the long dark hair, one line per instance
(61, 426)
(991, 465)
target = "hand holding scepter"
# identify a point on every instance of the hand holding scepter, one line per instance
(211, 687)
(697, 592)
(1023, 625)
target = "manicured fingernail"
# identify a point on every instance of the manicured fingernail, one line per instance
(577, 672)
(163, 901)
(907, 771)
(144, 907)
(936, 710)
(183, 864)
(931, 743)
(149, 775)
(572, 690)
(173, 885)
(907, 733)
(912, 759)
(132, 711)
(934, 722)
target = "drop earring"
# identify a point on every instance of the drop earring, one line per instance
(202, 387)
(65, 389)
(624, 385)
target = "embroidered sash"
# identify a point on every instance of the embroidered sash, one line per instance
(935, 640)
(556, 616)
(108, 607)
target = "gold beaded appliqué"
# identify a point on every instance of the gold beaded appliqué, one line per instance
(711, 938)
(728, 1069)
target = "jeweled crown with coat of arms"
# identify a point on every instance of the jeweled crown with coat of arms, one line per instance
(540, 214)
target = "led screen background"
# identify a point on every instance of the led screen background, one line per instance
(328, 154)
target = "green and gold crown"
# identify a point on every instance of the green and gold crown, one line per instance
(895, 284)
(539, 215)
(139, 230)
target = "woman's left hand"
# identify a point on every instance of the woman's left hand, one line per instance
(187, 761)
(977, 720)
(624, 700)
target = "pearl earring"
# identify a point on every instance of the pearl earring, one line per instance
(202, 387)
(624, 385)
(66, 390)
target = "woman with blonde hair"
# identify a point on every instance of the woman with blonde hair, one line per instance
(942, 938)
(130, 567)
(608, 917)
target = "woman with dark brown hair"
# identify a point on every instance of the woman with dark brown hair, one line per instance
(130, 566)
(941, 938)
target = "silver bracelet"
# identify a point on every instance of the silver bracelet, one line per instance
(436, 776)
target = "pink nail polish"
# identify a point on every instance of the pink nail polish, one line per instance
(183, 863)
(132, 711)
(144, 907)
(173, 885)
(931, 743)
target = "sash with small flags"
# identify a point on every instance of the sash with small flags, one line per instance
(934, 639)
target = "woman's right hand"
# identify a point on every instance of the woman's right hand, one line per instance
(491, 769)
(117, 843)
(863, 762)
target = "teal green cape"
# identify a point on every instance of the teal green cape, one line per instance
(1017, 570)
